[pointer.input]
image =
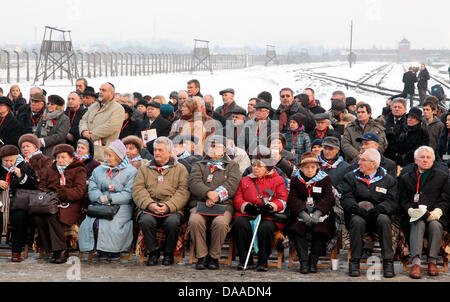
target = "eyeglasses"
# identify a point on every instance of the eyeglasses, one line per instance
(285, 96)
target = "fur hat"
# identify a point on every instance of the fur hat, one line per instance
(132, 139)
(309, 157)
(299, 118)
(8, 150)
(31, 138)
(56, 99)
(119, 148)
(63, 148)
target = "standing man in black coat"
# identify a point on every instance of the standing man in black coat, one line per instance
(395, 124)
(30, 114)
(193, 88)
(369, 199)
(409, 78)
(422, 84)
(10, 130)
(75, 112)
(228, 104)
(156, 121)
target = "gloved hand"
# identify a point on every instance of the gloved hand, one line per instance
(374, 212)
(306, 218)
(435, 214)
(357, 210)
(315, 216)
(251, 210)
(415, 212)
(265, 209)
(104, 199)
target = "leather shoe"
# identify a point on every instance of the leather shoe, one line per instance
(153, 258)
(415, 272)
(304, 267)
(201, 264)
(53, 259)
(388, 269)
(262, 267)
(250, 264)
(16, 257)
(62, 257)
(353, 270)
(213, 263)
(432, 269)
(312, 265)
(168, 259)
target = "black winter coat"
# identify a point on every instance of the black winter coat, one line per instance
(423, 78)
(28, 180)
(329, 132)
(443, 148)
(409, 78)
(409, 140)
(130, 127)
(75, 118)
(28, 120)
(435, 192)
(162, 127)
(389, 165)
(10, 130)
(382, 193)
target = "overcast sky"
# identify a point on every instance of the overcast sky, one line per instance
(234, 23)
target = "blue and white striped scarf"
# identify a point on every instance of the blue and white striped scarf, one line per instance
(137, 158)
(77, 157)
(184, 155)
(319, 176)
(373, 180)
(28, 158)
(125, 163)
(18, 161)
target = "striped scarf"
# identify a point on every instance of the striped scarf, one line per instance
(28, 158)
(184, 155)
(61, 169)
(319, 176)
(137, 158)
(9, 170)
(125, 163)
(373, 180)
(77, 157)
(326, 164)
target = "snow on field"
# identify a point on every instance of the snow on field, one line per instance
(248, 82)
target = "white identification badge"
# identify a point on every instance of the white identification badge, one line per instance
(111, 187)
(416, 197)
(160, 179)
(381, 190)
(293, 151)
(210, 178)
(317, 189)
(446, 157)
(310, 201)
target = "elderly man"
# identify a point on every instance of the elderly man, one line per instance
(228, 103)
(287, 108)
(371, 141)
(80, 85)
(75, 112)
(424, 195)
(369, 198)
(89, 97)
(193, 88)
(363, 124)
(323, 128)
(234, 127)
(157, 122)
(30, 114)
(161, 192)
(103, 121)
(210, 100)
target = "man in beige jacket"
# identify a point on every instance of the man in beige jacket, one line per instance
(103, 121)
(161, 193)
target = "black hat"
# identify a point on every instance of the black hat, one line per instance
(317, 141)
(299, 118)
(137, 95)
(321, 116)
(128, 109)
(8, 150)
(230, 90)
(56, 99)
(350, 101)
(369, 136)
(416, 113)
(262, 105)
(142, 102)
(174, 95)
(238, 110)
(6, 101)
(337, 107)
(154, 104)
(266, 96)
(89, 91)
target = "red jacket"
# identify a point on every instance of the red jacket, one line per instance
(248, 193)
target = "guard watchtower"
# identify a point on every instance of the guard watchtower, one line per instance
(201, 56)
(271, 55)
(56, 54)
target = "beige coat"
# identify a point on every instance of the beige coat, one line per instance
(105, 125)
(173, 191)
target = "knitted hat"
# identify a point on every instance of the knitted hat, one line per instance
(299, 118)
(134, 140)
(56, 99)
(142, 102)
(31, 138)
(174, 95)
(119, 148)
(416, 113)
(350, 101)
(316, 142)
(166, 109)
(266, 96)
(8, 150)
(63, 148)
(308, 157)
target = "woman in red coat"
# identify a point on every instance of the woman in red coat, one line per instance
(248, 205)
(310, 202)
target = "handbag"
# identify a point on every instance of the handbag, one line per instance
(45, 203)
(21, 200)
(282, 218)
(102, 211)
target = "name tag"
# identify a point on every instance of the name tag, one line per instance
(210, 178)
(160, 179)
(317, 189)
(446, 157)
(381, 190)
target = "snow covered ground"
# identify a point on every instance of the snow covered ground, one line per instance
(250, 81)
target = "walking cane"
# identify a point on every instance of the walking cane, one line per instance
(270, 193)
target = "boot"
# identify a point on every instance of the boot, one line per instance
(62, 257)
(312, 264)
(53, 259)
(250, 264)
(202, 263)
(168, 259)
(388, 268)
(15, 257)
(353, 270)
(213, 263)
(304, 267)
(153, 258)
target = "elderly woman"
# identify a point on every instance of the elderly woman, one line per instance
(311, 202)
(85, 154)
(213, 180)
(30, 146)
(251, 199)
(369, 199)
(110, 184)
(15, 174)
(54, 125)
(9, 127)
(134, 147)
(67, 177)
